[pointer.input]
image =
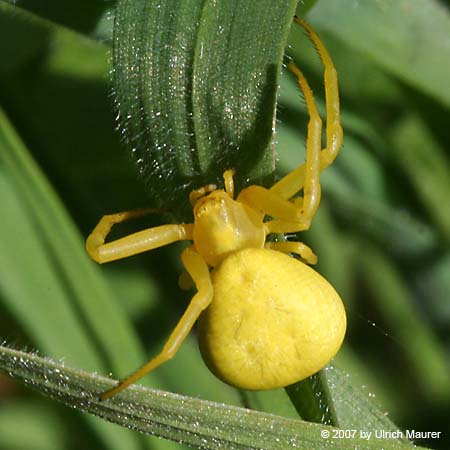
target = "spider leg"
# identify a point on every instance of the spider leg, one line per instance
(310, 170)
(296, 180)
(274, 201)
(269, 203)
(298, 248)
(139, 242)
(199, 272)
(298, 214)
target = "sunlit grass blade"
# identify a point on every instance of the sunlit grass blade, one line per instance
(199, 423)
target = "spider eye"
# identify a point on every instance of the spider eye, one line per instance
(201, 210)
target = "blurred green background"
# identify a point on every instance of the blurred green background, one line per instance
(382, 232)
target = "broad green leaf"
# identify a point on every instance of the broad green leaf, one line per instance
(196, 90)
(199, 423)
(408, 39)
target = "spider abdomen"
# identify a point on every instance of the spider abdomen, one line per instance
(273, 320)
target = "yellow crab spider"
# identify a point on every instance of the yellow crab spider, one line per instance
(266, 319)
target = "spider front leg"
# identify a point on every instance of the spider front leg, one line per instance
(199, 272)
(135, 243)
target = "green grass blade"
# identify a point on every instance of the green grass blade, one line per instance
(199, 423)
(275, 401)
(235, 83)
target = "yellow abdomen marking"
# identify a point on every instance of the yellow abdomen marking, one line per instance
(272, 322)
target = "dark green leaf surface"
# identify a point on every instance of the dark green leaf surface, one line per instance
(195, 95)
